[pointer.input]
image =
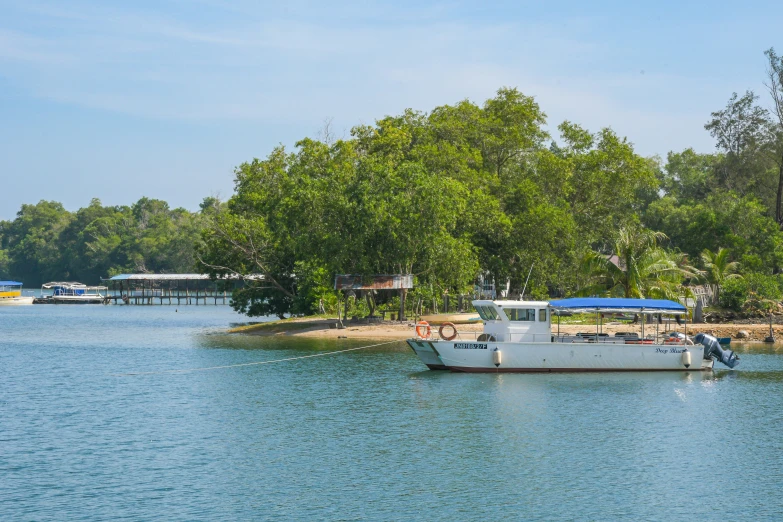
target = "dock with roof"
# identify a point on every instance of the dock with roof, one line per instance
(168, 289)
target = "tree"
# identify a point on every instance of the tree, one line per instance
(774, 84)
(740, 126)
(690, 176)
(723, 219)
(742, 133)
(31, 242)
(512, 125)
(358, 206)
(637, 267)
(46, 242)
(718, 268)
(605, 176)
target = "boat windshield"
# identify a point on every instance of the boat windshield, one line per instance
(487, 313)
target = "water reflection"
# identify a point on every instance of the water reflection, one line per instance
(756, 347)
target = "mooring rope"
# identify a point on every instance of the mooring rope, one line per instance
(162, 372)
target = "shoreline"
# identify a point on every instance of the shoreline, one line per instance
(324, 328)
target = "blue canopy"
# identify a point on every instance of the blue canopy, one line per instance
(10, 283)
(618, 304)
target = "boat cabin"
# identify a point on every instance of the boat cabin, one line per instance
(515, 321)
(73, 290)
(10, 289)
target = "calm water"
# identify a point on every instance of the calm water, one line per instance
(362, 435)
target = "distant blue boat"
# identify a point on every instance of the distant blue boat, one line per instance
(724, 340)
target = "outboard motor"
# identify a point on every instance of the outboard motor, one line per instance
(712, 349)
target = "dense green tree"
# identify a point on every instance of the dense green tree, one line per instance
(718, 268)
(605, 177)
(637, 267)
(690, 176)
(31, 242)
(46, 242)
(774, 84)
(463, 190)
(754, 293)
(723, 219)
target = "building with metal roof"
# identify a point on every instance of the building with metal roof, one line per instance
(174, 288)
(178, 277)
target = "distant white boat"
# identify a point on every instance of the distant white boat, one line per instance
(73, 293)
(11, 294)
(518, 337)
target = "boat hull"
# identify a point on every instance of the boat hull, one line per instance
(76, 300)
(427, 354)
(558, 357)
(16, 301)
(71, 300)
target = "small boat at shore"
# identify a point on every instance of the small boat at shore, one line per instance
(11, 294)
(72, 293)
(518, 337)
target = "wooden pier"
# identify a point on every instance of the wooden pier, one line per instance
(170, 289)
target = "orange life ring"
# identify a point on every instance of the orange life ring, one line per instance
(426, 327)
(452, 336)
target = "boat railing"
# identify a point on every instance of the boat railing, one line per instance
(467, 335)
(578, 338)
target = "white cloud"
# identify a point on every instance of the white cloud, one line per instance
(256, 64)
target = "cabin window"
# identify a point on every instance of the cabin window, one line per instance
(487, 313)
(542, 315)
(520, 314)
(492, 314)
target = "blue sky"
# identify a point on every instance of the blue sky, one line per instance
(119, 100)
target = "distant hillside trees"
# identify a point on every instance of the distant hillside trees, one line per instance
(46, 242)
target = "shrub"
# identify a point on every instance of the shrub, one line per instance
(763, 292)
(314, 286)
(764, 286)
(754, 292)
(734, 294)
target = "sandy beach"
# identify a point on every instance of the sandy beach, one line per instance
(327, 328)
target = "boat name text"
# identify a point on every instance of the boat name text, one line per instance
(470, 346)
(669, 350)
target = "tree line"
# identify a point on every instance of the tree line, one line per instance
(46, 242)
(453, 194)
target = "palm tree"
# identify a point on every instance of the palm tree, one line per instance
(638, 268)
(718, 269)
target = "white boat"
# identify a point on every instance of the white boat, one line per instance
(518, 337)
(73, 293)
(11, 294)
